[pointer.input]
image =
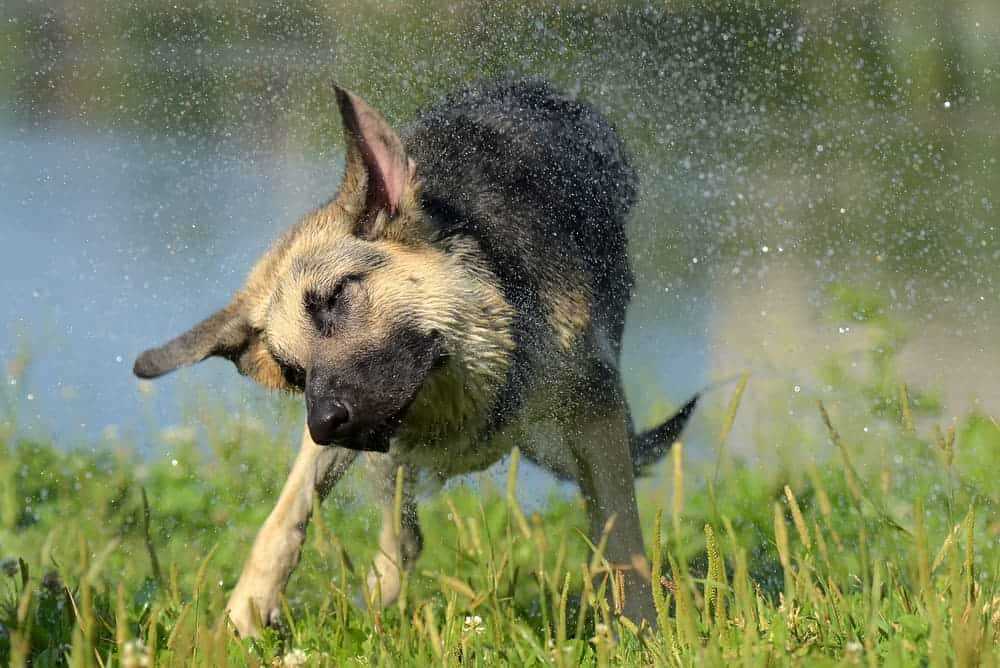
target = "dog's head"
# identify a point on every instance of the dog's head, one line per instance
(355, 306)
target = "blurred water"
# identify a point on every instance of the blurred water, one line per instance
(112, 243)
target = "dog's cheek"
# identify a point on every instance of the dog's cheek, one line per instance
(257, 363)
(398, 370)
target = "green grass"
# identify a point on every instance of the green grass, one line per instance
(839, 566)
(856, 547)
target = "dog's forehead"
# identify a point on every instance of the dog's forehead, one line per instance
(315, 267)
(320, 267)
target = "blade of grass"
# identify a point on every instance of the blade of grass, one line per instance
(797, 518)
(660, 601)
(677, 453)
(853, 479)
(154, 561)
(784, 552)
(904, 409)
(727, 424)
(512, 504)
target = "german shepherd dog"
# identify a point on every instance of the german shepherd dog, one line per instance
(463, 293)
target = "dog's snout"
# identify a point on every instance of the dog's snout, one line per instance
(327, 420)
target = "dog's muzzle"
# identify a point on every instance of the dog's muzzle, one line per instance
(332, 422)
(327, 420)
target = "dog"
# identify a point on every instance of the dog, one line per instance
(462, 294)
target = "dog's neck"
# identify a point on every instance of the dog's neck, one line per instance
(476, 329)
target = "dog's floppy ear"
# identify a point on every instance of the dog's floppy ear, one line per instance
(226, 333)
(378, 173)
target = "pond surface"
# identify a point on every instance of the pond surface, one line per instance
(113, 242)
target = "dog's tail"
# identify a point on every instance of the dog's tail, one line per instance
(650, 446)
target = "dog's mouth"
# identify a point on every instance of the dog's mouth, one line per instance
(372, 437)
(374, 440)
(368, 423)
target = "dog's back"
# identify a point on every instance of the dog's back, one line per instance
(542, 183)
(463, 294)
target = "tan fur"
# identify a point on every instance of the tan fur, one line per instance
(276, 550)
(448, 295)
(442, 290)
(419, 281)
(569, 314)
(260, 365)
(447, 292)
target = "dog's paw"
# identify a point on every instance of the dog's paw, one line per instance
(384, 581)
(250, 614)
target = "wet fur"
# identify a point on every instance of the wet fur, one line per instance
(540, 184)
(494, 278)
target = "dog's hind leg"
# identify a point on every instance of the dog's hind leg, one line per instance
(276, 550)
(604, 471)
(399, 545)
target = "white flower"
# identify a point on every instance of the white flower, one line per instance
(601, 633)
(473, 624)
(135, 654)
(296, 657)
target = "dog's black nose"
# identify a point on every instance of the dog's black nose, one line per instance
(327, 419)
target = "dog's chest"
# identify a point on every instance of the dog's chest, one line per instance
(536, 430)
(454, 456)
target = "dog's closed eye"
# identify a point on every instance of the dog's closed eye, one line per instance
(326, 309)
(293, 374)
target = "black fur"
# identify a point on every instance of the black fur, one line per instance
(542, 182)
(382, 379)
(650, 446)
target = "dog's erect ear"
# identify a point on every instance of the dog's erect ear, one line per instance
(377, 171)
(226, 333)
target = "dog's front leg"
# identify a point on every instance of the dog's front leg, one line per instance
(399, 546)
(279, 542)
(606, 480)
